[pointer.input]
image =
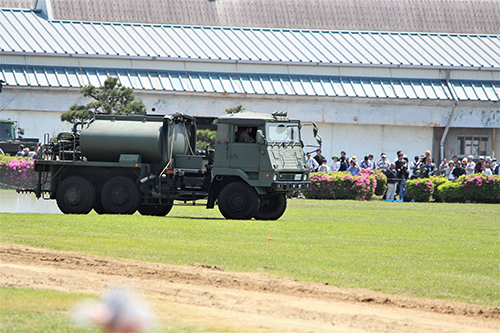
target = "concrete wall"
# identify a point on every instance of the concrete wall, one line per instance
(361, 140)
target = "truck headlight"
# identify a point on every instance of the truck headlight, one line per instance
(304, 177)
(275, 177)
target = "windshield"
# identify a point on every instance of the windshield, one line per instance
(6, 132)
(288, 132)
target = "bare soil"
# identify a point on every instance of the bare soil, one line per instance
(210, 298)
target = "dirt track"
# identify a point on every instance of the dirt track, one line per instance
(241, 302)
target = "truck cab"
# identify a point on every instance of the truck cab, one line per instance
(262, 156)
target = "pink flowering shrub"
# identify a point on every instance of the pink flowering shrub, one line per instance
(380, 178)
(480, 187)
(419, 189)
(17, 171)
(341, 185)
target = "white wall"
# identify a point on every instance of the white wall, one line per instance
(361, 140)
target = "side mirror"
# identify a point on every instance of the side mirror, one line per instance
(260, 138)
(21, 131)
(315, 129)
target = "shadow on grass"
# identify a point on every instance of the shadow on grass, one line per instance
(195, 217)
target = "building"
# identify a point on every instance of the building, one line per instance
(368, 91)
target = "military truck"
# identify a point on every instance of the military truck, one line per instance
(121, 164)
(11, 137)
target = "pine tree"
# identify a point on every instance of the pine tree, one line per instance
(111, 98)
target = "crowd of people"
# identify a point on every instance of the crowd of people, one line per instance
(401, 169)
(33, 151)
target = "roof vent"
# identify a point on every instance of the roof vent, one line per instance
(46, 7)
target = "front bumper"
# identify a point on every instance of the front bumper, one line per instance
(284, 186)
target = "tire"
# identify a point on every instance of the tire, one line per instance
(120, 195)
(238, 201)
(155, 210)
(271, 207)
(75, 195)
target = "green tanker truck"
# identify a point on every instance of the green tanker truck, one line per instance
(123, 164)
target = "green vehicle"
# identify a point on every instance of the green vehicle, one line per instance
(11, 137)
(121, 164)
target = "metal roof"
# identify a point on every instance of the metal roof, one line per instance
(459, 16)
(25, 32)
(252, 84)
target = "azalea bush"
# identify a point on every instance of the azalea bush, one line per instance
(380, 178)
(341, 185)
(16, 171)
(419, 189)
(475, 188)
(480, 187)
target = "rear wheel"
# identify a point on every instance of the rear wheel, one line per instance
(238, 201)
(271, 207)
(75, 195)
(155, 210)
(120, 195)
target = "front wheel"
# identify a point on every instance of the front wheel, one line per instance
(75, 195)
(238, 201)
(120, 195)
(272, 207)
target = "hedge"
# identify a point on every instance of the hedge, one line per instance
(16, 171)
(341, 185)
(419, 189)
(474, 188)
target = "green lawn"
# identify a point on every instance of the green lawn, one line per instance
(447, 251)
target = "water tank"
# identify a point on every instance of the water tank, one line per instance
(107, 137)
(155, 138)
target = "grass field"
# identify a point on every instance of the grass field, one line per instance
(447, 251)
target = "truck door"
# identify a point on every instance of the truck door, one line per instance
(244, 151)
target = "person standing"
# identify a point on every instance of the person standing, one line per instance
(354, 168)
(471, 166)
(391, 181)
(428, 169)
(383, 164)
(402, 174)
(335, 166)
(370, 158)
(415, 165)
(324, 167)
(460, 168)
(449, 171)
(496, 171)
(486, 169)
(366, 164)
(479, 165)
(443, 166)
(319, 158)
(312, 165)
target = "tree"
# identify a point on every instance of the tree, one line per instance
(237, 109)
(205, 138)
(112, 97)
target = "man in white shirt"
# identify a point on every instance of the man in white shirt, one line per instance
(383, 164)
(311, 163)
(469, 168)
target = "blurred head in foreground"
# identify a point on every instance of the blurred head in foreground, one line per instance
(118, 311)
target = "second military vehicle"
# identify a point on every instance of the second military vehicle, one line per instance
(11, 137)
